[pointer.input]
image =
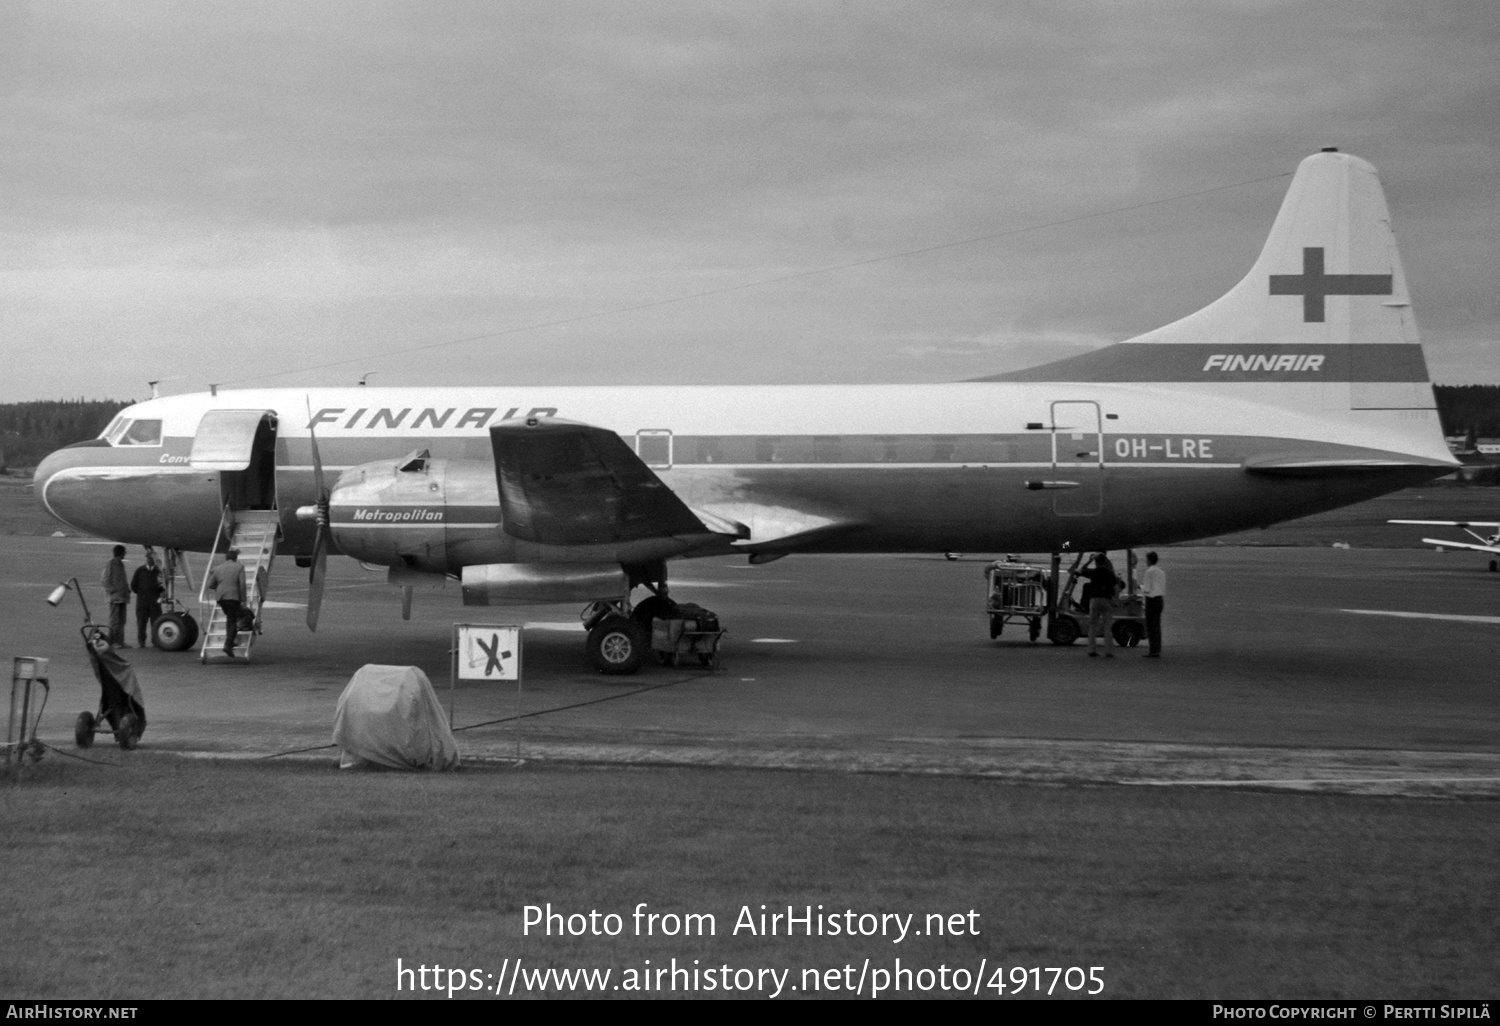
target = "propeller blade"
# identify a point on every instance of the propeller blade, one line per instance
(312, 436)
(319, 570)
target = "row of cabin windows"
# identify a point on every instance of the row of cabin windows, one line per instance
(661, 448)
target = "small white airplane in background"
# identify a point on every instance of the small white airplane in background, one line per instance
(1487, 543)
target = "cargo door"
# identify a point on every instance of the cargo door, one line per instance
(1077, 458)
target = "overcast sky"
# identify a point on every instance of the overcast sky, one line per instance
(242, 192)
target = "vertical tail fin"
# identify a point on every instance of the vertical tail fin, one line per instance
(1328, 283)
(1323, 320)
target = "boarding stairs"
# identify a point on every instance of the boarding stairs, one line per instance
(253, 532)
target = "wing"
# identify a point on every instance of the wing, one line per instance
(1461, 545)
(1449, 523)
(565, 483)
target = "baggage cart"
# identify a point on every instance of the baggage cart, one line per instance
(1016, 593)
(689, 632)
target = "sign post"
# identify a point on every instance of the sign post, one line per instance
(486, 652)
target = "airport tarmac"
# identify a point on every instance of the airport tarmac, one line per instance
(1346, 670)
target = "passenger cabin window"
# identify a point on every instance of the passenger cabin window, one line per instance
(141, 432)
(654, 447)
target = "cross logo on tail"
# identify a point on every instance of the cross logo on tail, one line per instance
(1313, 285)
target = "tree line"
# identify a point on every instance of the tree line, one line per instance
(29, 431)
(1469, 409)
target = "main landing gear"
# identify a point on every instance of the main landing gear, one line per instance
(620, 634)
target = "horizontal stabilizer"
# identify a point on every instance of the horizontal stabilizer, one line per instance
(1449, 523)
(565, 483)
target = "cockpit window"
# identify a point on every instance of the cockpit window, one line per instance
(140, 432)
(110, 433)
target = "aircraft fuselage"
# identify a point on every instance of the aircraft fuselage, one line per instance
(980, 466)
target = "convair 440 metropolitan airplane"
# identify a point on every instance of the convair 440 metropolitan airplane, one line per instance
(1302, 389)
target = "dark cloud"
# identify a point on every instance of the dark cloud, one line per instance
(332, 180)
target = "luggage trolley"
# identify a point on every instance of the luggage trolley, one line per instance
(122, 708)
(1016, 593)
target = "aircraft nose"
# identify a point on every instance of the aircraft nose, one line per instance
(62, 503)
(44, 472)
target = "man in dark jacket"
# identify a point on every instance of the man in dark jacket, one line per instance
(1102, 587)
(146, 583)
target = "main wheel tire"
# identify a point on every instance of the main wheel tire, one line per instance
(128, 732)
(1127, 633)
(83, 730)
(192, 629)
(997, 624)
(173, 632)
(617, 646)
(1064, 630)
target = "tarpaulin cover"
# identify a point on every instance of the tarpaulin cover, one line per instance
(390, 716)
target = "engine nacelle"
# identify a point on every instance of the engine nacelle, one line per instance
(494, 584)
(412, 511)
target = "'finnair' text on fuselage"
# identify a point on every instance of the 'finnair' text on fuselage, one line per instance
(1308, 362)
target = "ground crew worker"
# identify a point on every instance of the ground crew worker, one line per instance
(146, 583)
(1154, 587)
(117, 587)
(227, 582)
(1102, 587)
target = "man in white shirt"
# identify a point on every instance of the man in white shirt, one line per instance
(1154, 587)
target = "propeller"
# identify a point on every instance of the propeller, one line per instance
(319, 512)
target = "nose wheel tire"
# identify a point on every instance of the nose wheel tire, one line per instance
(83, 730)
(617, 646)
(174, 632)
